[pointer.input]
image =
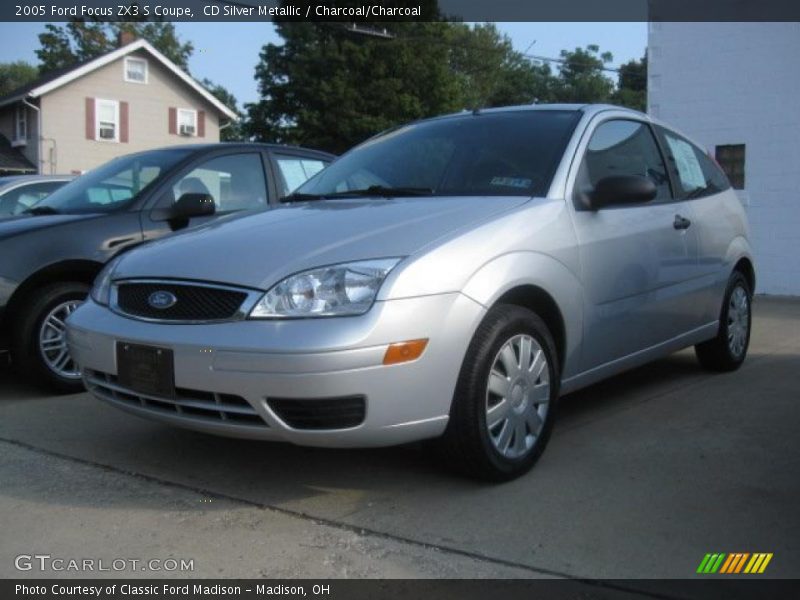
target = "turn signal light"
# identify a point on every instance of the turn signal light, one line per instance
(404, 351)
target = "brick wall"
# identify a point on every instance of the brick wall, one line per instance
(739, 83)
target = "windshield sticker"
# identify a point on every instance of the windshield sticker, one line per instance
(515, 182)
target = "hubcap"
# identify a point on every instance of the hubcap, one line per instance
(53, 341)
(517, 396)
(738, 320)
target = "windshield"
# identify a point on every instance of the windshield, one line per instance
(510, 153)
(112, 185)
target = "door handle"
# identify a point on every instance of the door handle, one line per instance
(681, 222)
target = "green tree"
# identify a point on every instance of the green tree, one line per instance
(330, 88)
(235, 131)
(62, 46)
(581, 76)
(55, 50)
(491, 72)
(632, 84)
(16, 74)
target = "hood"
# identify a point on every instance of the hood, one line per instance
(12, 226)
(259, 250)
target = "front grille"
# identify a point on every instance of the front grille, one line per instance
(320, 413)
(193, 302)
(197, 404)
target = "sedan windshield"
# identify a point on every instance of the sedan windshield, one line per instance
(510, 153)
(112, 185)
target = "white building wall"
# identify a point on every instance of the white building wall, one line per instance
(739, 83)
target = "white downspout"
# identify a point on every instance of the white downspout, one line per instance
(39, 157)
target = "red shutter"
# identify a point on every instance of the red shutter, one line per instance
(90, 119)
(201, 123)
(173, 120)
(123, 122)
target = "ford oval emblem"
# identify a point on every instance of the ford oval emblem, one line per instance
(161, 299)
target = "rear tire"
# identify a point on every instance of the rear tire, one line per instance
(505, 398)
(39, 338)
(727, 351)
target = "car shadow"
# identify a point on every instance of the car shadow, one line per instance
(279, 474)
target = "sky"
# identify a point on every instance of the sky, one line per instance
(227, 53)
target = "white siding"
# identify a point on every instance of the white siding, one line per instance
(739, 83)
(64, 115)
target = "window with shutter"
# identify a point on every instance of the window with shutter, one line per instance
(107, 120)
(187, 122)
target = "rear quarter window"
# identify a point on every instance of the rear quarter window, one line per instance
(696, 174)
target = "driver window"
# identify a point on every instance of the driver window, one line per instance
(623, 147)
(234, 181)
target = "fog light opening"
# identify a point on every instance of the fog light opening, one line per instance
(404, 351)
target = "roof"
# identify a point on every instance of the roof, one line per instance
(584, 108)
(237, 145)
(11, 159)
(9, 180)
(61, 77)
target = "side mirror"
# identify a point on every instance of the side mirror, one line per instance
(621, 189)
(193, 205)
(187, 206)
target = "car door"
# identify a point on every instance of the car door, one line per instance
(701, 185)
(636, 260)
(236, 181)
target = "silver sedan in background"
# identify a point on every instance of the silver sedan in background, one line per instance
(447, 279)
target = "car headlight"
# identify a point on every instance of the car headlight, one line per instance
(101, 290)
(337, 290)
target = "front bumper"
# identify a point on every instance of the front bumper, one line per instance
(318, 359)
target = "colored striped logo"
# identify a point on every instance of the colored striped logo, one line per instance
(737, 562)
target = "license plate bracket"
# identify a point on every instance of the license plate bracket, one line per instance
(146, 369)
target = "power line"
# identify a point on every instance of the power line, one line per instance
(534, 57)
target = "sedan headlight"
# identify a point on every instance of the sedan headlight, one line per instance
(101, 290)
(345, 289)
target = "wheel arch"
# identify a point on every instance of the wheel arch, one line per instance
(542, 284)
(81, 271)
(745, 266)
(539, 301)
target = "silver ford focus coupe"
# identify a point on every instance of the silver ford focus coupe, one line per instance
(447, 279)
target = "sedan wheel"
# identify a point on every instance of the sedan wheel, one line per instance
(39, 348)
(53, 341)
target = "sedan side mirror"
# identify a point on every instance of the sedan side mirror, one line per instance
(187, 206)
(193, 205)
(621, 189)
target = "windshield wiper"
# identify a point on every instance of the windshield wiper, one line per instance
(40, 210)
(373, 190)
(391, 192)
(297, 197)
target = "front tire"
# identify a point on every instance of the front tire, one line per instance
(39, 348)
(727, 351)
(505, 399)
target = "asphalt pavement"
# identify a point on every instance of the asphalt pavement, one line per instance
(645, 474)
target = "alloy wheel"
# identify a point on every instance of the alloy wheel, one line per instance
(53, 341)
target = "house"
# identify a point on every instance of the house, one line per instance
(734, 88)
(132, 98)
(12, 161)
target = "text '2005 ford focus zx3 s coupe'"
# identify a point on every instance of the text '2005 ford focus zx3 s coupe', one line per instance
(446, 279)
